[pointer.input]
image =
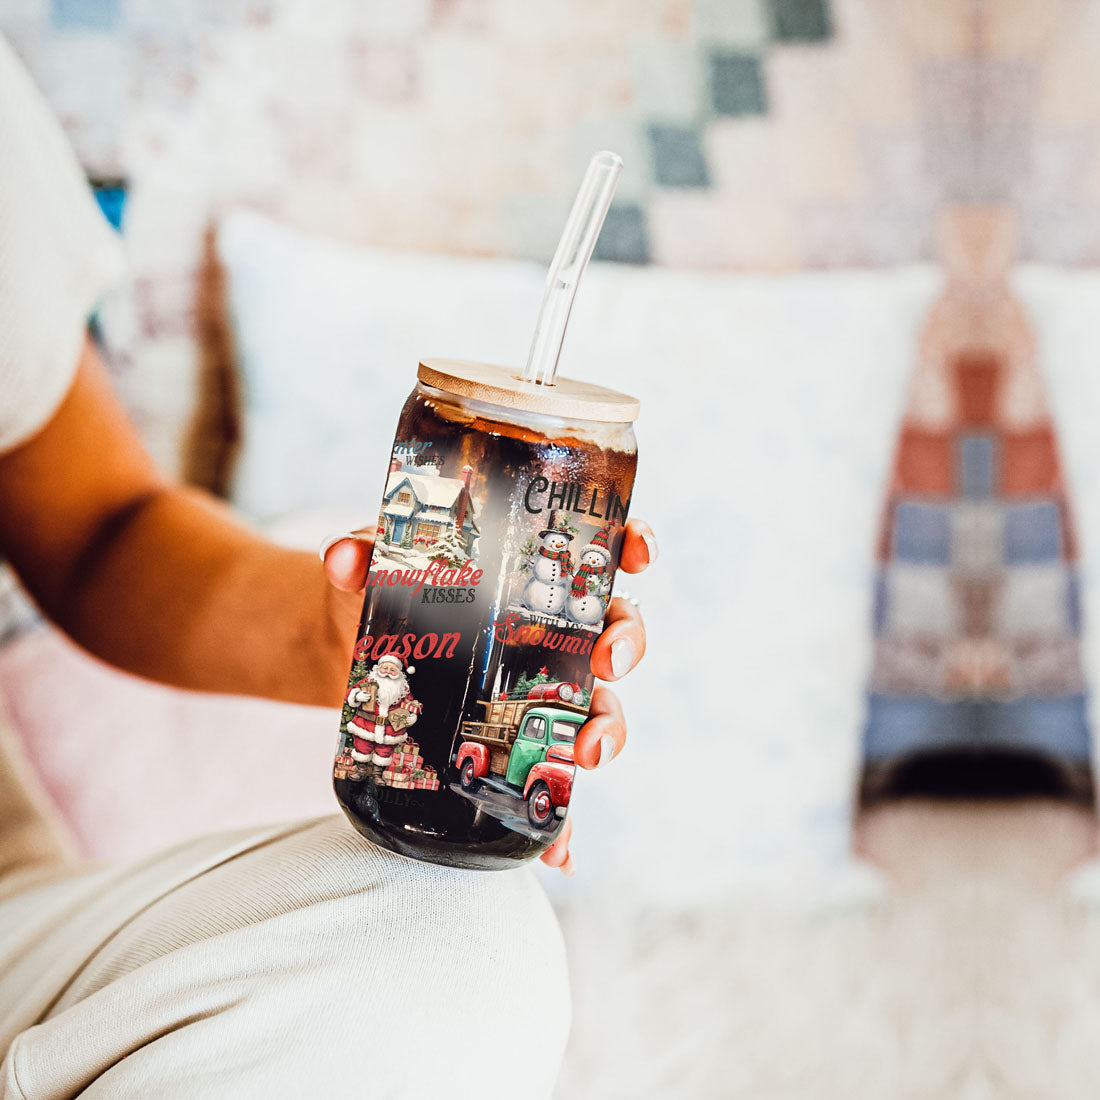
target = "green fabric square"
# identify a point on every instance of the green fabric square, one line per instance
(677, 155)
(736, 84)
(800, 20)
(623, 238)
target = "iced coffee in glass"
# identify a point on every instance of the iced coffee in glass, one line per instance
(499, 533)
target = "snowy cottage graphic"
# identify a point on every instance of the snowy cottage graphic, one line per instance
(419, 509)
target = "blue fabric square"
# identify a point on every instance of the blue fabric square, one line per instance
(922, 534)
(677, 153)
(878, 611)
(624, 238)
(902, 726)
(1057, 726)
(1073, 599)
(736, 84)
(95, 15)
(976, 464)
(1033, 534)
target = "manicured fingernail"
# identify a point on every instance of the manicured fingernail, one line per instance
(607, 750)
(556, 857)
(567, 867)
(651, 546)
(622, 657)
(330, 542)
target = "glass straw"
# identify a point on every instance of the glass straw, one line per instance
(574, 251)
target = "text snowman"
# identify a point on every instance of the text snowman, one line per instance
(551, 569)
(591, 587)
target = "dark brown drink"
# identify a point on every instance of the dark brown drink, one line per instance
(499, 533)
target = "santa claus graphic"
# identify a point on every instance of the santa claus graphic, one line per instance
(384, 711)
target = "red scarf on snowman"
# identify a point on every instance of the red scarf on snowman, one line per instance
(556, 555)
(579, 588)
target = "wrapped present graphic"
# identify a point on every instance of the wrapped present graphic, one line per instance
(343, 766)
(396, 776)
(404, 771)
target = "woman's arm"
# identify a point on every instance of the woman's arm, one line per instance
(158, 579)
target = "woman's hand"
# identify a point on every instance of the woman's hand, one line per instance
(618, 649)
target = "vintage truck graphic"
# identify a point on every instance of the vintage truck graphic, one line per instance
(523, 751)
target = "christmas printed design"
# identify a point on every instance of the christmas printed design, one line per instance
(559, 588)
(489, 582)
(513, 757)
(425, 552)
(516, 761)
(382, 709)
(379, 712)
(427, 522)
(590, 590)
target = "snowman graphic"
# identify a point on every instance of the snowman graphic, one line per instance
(591, 588)
(551, 568)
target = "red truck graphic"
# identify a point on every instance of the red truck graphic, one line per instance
(523, 750)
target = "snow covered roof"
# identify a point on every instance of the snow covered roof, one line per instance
(437, 492)
(404, 510)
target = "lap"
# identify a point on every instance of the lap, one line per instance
(298, 960)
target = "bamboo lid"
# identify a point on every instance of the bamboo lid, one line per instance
(503, 386)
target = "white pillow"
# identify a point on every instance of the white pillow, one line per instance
(328, 340)
(770, 407)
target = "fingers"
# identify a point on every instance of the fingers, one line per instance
(602, 737)
(558, 854)
(619, 648)
(600, 740)
(347, 558)
(639, 546)
(622, 644)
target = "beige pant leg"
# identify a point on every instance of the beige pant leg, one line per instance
(299, 962)
(31, 832)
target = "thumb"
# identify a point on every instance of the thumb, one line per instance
(347, 559)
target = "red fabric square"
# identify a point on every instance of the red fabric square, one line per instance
(977, 375)
(1029, 462)
(925, 463)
